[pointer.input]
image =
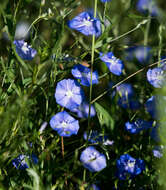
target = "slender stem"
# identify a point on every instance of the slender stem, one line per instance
(105, 8)
(160, 41)
(92, 61)
(62, 147)
(146, 34)
(122, 81)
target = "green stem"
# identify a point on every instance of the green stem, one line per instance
(92, 62)
(146, 34)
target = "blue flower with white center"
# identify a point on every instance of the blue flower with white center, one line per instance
(137, 126)
(69, 94)
(95, 137)
(64, 124)
(83, 110)
(129, 167)
(156, 77)
(84, 74)
(114, 65)
(150, 6)
(93, 160)
(24, 50)
(141, 53)
(20, 161)
(86, 24)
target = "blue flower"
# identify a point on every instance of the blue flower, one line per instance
(95, 137)
(24, 50)
(141, 53)
(104, 1)
(158, 151)
(125, 90)
(20, 161)
(92, 159)
(130, 103)
(86, 24)
(83, 110)
(114, 65)
(137, 126)
(148, 6)
(129, 166)
(64, 124)
(69, 94)
(156, 77)
(84, 74)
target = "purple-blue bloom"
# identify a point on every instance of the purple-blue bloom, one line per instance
(104, 1)
(93, 160)
(137, 126)
(156, 77)
(83, 110)
(24, 50)
(69, 94)
(129, 167)
(129, 103)
(125, 90)
(64, 124)
(86, 24)
(141, 53)
(95, 137)
(114, 65)
(84, 74)
(20, 161)
(148, 6)
(157, 151)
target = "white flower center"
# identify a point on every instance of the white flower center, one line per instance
(130, 164)
(69, 93)
(25, 48)
(113, 60)
(64, 124)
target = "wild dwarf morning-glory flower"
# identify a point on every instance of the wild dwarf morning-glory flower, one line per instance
(84, 74)
(128, 167)
(114, 65)
(158, 151)
(137, 126)
(69, 94)
(93, 160)
(141, 53)
(104, 1)
(64, 124)
(95, 137)
(83, 110)
(148, 6)
(86, 24)
(24, 50)
(156, 77)
(129, 103)
(125, 90)
(20, 161)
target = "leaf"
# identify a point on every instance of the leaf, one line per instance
(104, 117)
